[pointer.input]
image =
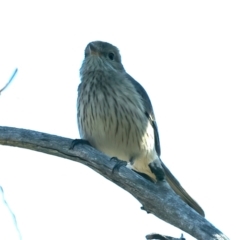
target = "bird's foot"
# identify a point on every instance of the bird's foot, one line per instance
(119, 163)
(78, 141)
(157, 169)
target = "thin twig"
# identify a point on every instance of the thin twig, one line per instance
(11, 212)
(9, 81)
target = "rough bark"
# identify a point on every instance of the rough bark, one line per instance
(159, 199)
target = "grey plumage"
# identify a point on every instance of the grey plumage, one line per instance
(116, 116)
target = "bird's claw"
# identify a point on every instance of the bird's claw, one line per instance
(119, 163)
(78, 141)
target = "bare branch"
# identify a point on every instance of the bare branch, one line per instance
(9, 81)
(11, 213)
(159, 199)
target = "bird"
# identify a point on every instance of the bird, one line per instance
(115, 116)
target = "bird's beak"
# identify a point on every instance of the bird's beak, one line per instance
(92, 49)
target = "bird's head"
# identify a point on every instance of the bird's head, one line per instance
(101, 56)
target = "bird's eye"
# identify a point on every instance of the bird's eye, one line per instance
(111, 55)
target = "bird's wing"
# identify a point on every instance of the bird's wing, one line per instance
(173, 182)
(148, 111)
(78, 109)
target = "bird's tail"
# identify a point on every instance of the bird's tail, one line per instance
(176, 186)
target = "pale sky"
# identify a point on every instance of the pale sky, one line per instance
(187, 56)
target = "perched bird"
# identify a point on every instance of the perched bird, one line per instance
(115, 116)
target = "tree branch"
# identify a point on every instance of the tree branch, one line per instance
(159, 199)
